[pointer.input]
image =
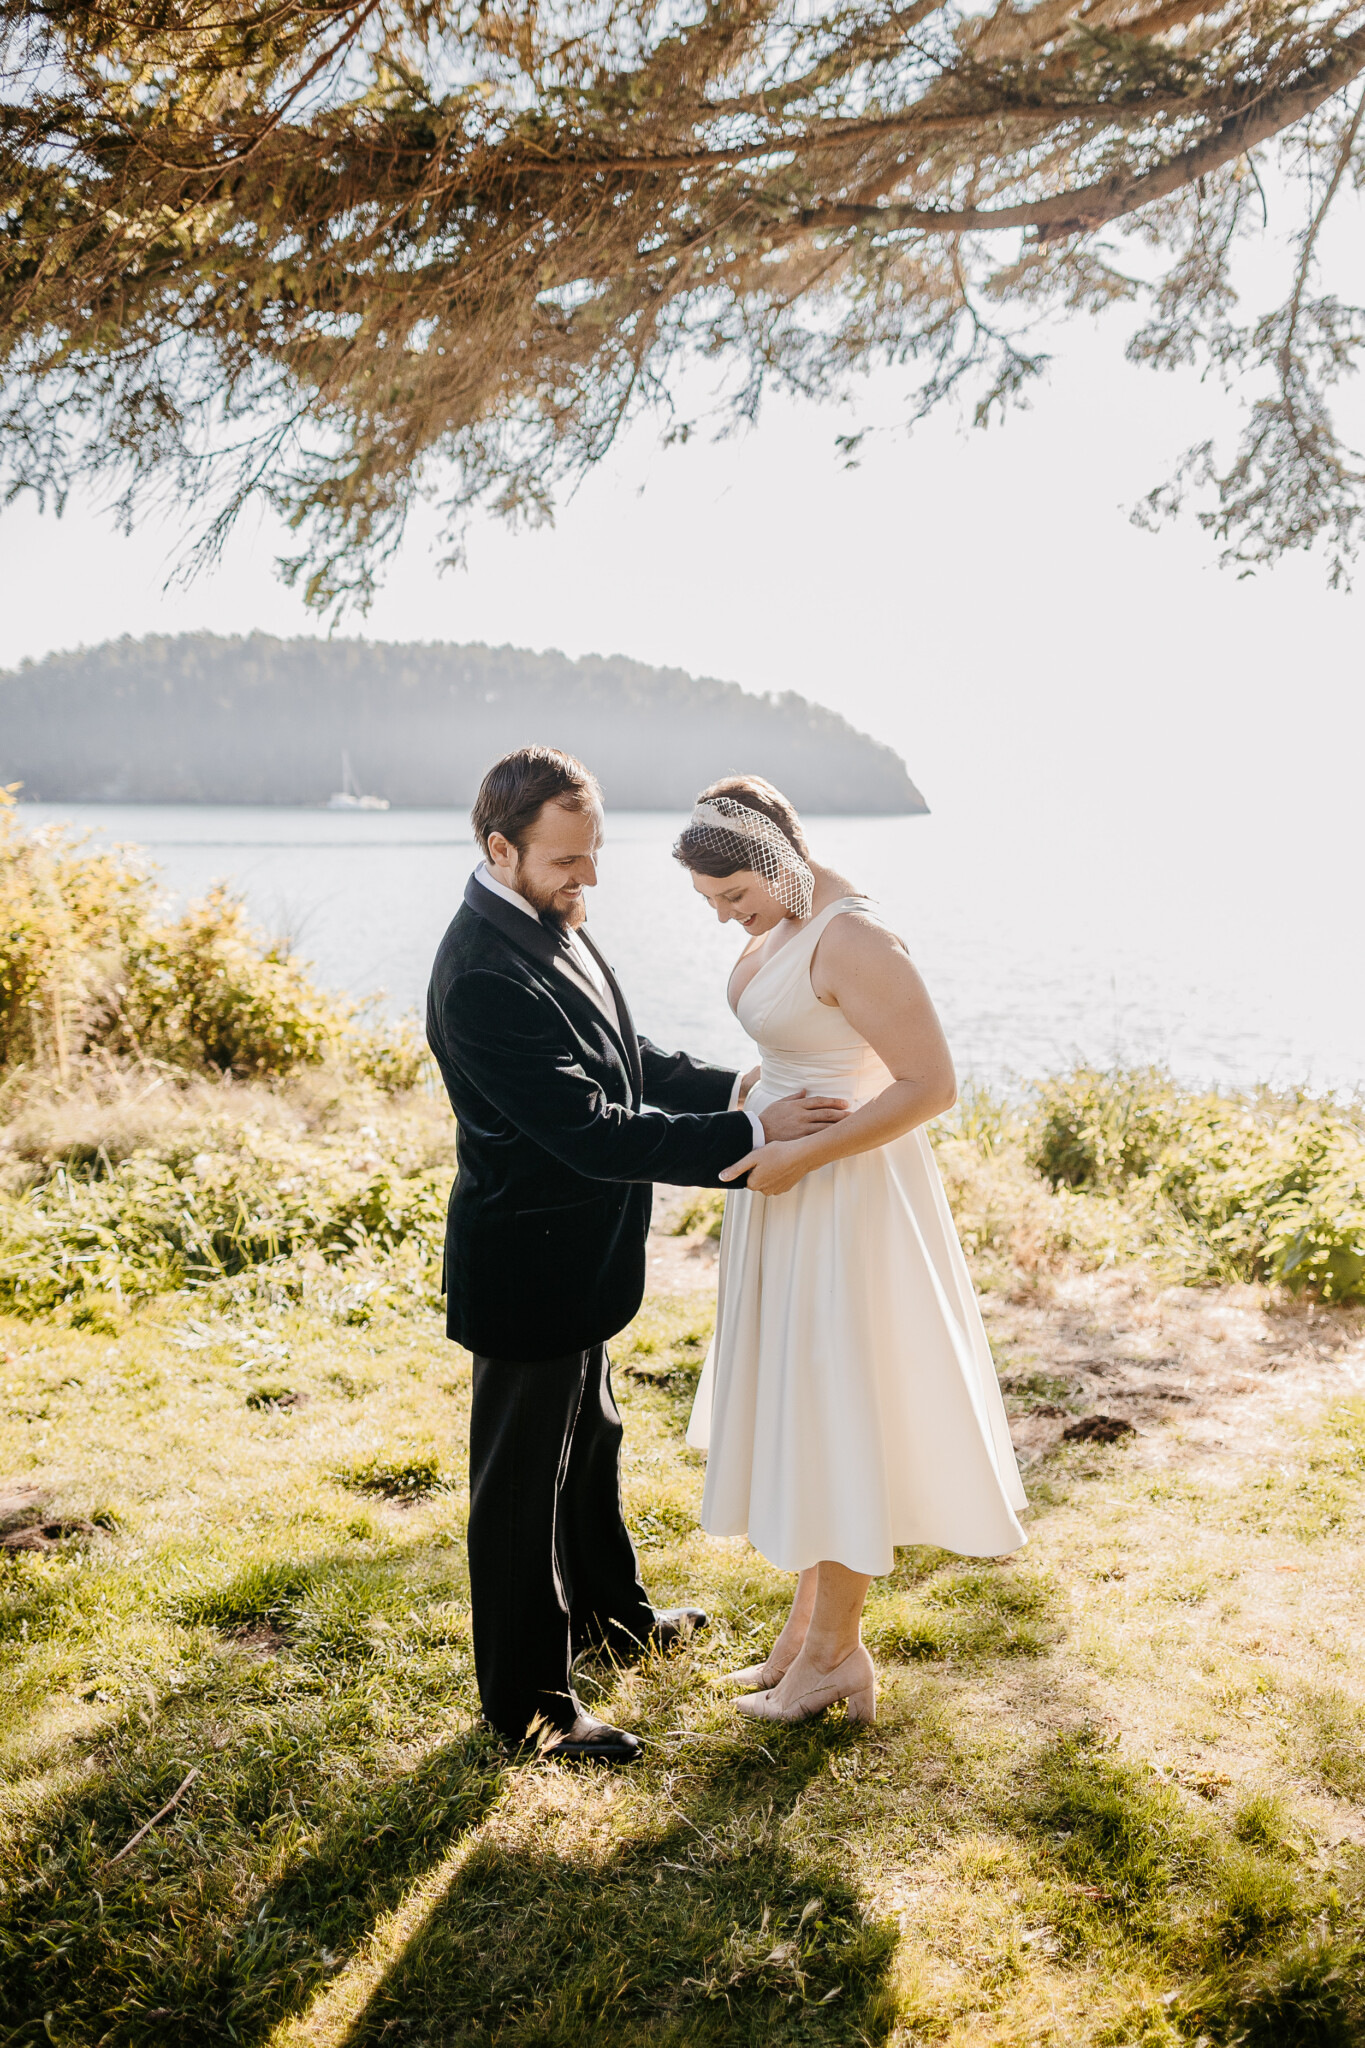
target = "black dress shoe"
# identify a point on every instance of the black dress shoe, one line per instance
(674, 1624)
(603, 1744)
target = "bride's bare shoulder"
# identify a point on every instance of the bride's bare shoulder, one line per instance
(859, 932)
(855, 943)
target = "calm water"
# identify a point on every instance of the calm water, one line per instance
(1039, 949)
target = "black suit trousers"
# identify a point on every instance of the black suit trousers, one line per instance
(552, 1569)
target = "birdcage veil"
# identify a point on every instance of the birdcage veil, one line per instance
(746, 838)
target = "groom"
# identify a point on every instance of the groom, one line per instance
(545, 1240)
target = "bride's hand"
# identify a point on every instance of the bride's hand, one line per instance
(772, 1169)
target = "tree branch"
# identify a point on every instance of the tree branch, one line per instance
(147, 1826)
(834, 135)
(1082, 211)
(1314, 227)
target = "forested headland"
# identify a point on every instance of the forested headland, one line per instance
(199, 718)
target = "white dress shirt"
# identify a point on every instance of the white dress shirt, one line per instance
(584, 960)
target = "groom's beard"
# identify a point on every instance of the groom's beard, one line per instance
(564, 917)
(569, 920)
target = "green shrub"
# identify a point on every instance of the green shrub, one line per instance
(705, 1212)
(1221, 1187)
(89, 965)
(982, 1118)
(1097, 1167)
(208, 993)
(1099, 1131)
(66, 918)
(1315, 1233)
(394, 1056)
(1267, 1189)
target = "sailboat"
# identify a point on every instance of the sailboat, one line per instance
(349, 798)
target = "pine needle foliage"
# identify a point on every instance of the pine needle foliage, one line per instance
(327, 253)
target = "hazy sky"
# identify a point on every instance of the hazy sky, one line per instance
(978, 599)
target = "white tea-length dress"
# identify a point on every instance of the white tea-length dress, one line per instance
(849, 1401)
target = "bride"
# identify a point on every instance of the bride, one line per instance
(849, 1402)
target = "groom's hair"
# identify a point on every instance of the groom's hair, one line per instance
(517, 788)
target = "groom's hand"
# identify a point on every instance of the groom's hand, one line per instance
(801, 1115)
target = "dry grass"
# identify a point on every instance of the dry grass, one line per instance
(121, 1110)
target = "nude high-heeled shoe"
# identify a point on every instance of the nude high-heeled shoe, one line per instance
(855, 1681)
(754, 1677)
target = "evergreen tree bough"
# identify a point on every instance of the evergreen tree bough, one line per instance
(340, 254)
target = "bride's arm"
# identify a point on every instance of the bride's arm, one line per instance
(871, 977)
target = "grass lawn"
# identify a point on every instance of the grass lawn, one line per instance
(1116, 1792)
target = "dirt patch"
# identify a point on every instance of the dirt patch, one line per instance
(1222, 1363)
(1099, 1429)
(43, 1536)
(257, 1639)
(678, 1265)
(20, 1506)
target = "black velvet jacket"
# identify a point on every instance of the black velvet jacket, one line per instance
(545, 1234)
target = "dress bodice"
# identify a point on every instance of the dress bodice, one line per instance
(805, 1043)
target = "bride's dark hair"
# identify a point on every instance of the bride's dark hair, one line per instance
(695, 847)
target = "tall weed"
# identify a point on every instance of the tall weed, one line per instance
(154, 1225)
(67, 919)
(1099, 1131)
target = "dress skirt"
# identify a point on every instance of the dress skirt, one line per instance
(849, 1402)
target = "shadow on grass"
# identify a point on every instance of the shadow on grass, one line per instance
(703, 1927)
(301, 1833)
(707, 1929)
(137, 1955)
(297, 1805)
